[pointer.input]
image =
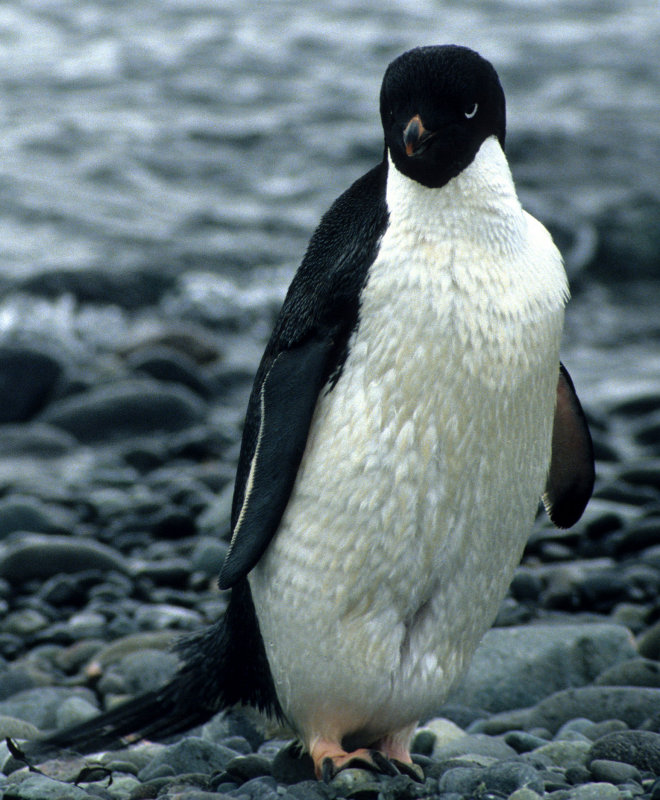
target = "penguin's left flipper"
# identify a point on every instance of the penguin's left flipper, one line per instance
(571, 476)
(286, 402)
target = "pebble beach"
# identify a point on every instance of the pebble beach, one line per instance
(156, 195)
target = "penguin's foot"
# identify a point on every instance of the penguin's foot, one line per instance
(330, 758)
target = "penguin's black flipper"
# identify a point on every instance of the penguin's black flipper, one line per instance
(221, 666)
(304, 357)
(571, 477)
(287, 399)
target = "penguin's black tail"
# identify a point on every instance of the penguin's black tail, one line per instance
(222, 666)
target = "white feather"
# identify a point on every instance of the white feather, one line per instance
(423, 467)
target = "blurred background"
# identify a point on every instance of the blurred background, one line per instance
(169, 160)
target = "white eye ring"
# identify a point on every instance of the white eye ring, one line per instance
(469, 114)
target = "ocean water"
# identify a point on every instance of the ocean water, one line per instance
(204, 139)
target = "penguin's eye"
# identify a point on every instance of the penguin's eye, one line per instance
(469, 114)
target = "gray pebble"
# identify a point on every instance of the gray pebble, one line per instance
(17, 728)
(208, 555)
(191, 754)
(563, 753)
(507, 776)
(39, 706)
(461, 780)
(639, 748)
(523, 742)
(614, 771)
(160, 616)
(41, 556)
(631, 704)
(24, 623)
(27, 382)
(636, 672)
(171, 366)
(649, 642)
(40, 787)
(74, 710)
(124, 409)
(244, 768)
(595, 791)
(35, 439)
(475, 744)
(20, 513)
(517, 667)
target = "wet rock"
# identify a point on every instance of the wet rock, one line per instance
(473, 744)
(565, 752)
(636, 672)
(118, 410)
(614, 771)
(648, 643)
(516, 667)
(170, 366)
(191, 754)
(41, 556)
(27, 382)
(17, 728)
(127, 289)
(35, 439)
(639, 748)
(74, 710)
(39, 706)
(507, 776)
(30, 514)
(139, 672)
(40, 787)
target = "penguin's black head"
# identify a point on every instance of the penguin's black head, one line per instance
(438, 104)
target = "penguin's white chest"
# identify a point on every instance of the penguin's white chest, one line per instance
(419, 482)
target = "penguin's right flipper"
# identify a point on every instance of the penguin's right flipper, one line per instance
(571, 475)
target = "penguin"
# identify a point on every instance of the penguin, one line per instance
(408, 415)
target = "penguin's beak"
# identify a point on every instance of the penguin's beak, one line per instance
(415, 136)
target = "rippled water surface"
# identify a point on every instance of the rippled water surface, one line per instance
(210, 136)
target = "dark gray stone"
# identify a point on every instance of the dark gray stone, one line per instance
(41, 556)
(128, 289)
(474, 744)
(517, 667)
(191, 754)
(41, 787)
(639, 748)
(123, 409)
(169, 365)
(614, 771)
(244, 768)
(39, 706)
(632, 705)
(648, 643)
(508, 776)
(636, 672)
(27, 382)
(29, 514)
(523, 742)
(140, 672)
(35, 439)
(462, 780)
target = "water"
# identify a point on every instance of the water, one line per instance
(207, 137)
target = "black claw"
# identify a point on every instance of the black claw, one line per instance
(413, 771)
(383, 764)
(328, 771)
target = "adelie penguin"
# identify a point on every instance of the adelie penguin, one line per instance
(408, 414)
